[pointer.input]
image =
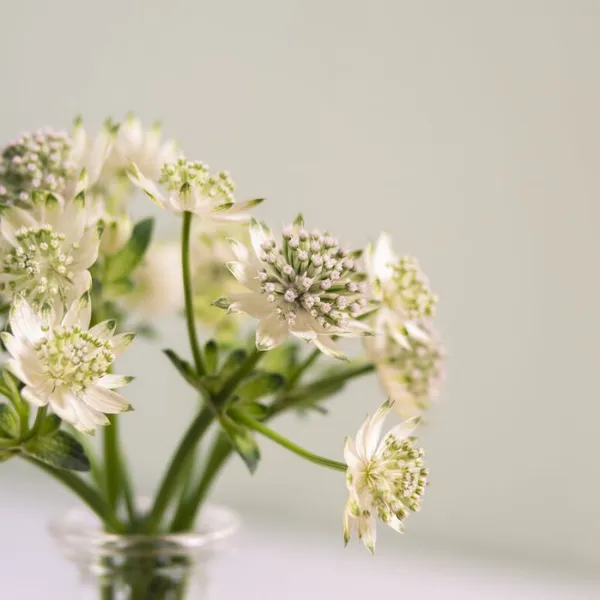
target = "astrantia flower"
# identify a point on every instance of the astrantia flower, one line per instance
(143, 147)
(46, 252)
(385, 479)
(307, 286)
(410, 374)
(41, 160)
(158, 282)
(65, 364)
(191, 187)
(401, 288)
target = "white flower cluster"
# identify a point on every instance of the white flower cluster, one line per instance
(308, 285)
(406, 348)
(385, 479)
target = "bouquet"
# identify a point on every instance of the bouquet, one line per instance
(277, 322)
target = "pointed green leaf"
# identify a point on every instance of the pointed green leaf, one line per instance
(232, 363)
(124, 262)
(299, 221)
(185, 370)
(256, 410)
(50, 425)
(243, 443)
(9, 421)
(259, 385)
(211, 356)
(59, 450)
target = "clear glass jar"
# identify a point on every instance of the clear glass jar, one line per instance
(138, 567)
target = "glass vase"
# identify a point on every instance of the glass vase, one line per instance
(139, 567)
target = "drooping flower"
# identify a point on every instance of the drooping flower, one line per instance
(46, 252)
(41, 160)
(385, 479)
(307, 286)
(158, 282)
(191, 187)
(411, 374)
(65, 364)
(401, 289)
(142, 147)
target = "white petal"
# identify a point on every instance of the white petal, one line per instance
(328, 347)
(14, 346)
(121, 342)
(271, 332)
(148, 186)
(79, 313)
(62, 404)
(382, 259)
(361, 437)
(103, 330)
(240, 251)
(418, 333)
(305, 327)
(402, 431)
(87, 253)
(367, 531)
(395, 523)
(86, 418)
(33, 396)
(259, 233)
(25, 323)
(112, 382)
(373, 432)
(16, 368)
(351, 454)
(244, 273)
(105, 400)
(252, 304)
(81, 283)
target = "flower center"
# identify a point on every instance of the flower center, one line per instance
(73, 358)
(40, 160)
(310, 272)
(182, 176)
(411, 290)
(39, 265)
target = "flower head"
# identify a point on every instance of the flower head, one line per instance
(385, 479)
(46, 252)
(40, 160)
(307, 285)
(411, 374)
(191, 187)
(65, 364)
(401, 288)
(158, 284)
(143, 147)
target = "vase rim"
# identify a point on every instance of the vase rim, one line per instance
(79, 526)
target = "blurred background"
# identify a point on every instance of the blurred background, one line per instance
(469, 130)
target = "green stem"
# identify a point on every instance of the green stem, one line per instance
(9, 443)
(189, 293)
(112, 464)
(261, 428)
(177, 467)
(186, 512)
(37, 424)
(302, 367)
(83, 490)
(236, 378)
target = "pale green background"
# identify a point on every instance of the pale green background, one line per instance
(467, 129)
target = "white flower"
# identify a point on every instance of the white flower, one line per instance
(307, 286)
(40, 160)
(411, 374)
(192, 188)
(65, 364)
(89, 154)
(158, 281)
(402, 290)
(385, 479)
(46, 252)
(140, 146)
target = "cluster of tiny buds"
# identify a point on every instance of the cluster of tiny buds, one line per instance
(183, 175)
(38, 160)
(74, 358)
(412, 287)
(38, 263)
(310, 271)
(419, 367)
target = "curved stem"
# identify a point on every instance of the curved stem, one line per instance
(83, 490)
(188, 293)
(177, 466)
(187, 510)
(259, 427)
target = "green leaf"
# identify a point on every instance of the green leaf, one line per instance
(59, 450)
(299, 221)
(211, 356)
(8, 454)
(243, 443)
(9, 421)
(260, 384)
(232, 363)
(185, 370)
(50, 425)
(128, 258)
(212, 383)
(119, 287)
(256, 410)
